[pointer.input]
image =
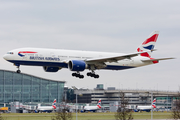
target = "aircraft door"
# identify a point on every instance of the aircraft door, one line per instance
(25, 57)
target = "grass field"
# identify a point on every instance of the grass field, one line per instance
(84, 116)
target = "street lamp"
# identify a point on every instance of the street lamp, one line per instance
(167, 99)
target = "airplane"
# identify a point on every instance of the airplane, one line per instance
(146, 108)
(46, 108)
(77, 61)
(92, 108)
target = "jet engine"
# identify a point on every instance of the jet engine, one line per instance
(50, 69)
(77, 65)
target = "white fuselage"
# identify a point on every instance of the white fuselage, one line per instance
(45, 108)
(89, 108)
(59, 58)
(144, 107)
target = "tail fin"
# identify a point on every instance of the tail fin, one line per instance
(154, 103)
(148, 44)
(54, 104)
(99, 104)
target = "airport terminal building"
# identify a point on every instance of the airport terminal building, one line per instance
(26, 88)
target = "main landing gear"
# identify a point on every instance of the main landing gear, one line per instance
(92, 74)
(78, 75)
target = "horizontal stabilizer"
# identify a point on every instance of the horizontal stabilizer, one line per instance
(151, 60)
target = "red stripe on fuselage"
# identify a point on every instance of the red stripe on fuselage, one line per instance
(27, 52)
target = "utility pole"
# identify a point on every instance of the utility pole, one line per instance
(76, 98)
(151, 106)
(76, 106)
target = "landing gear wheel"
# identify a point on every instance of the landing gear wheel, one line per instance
(89, 74)
(92, 74)
(78, 75)
(73, 74)
(81, 76)
(96, 76)
(18, 71)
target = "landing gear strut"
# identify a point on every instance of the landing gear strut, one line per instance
(18, 71)
(78, 75)
(92, 74)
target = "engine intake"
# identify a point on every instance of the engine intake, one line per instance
(77, 65)
(50, 69)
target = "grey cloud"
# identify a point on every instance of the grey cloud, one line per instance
(101, 25)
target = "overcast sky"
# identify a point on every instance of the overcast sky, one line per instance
(96, 25)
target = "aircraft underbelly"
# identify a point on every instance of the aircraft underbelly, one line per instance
(63, 65)
(40, 63)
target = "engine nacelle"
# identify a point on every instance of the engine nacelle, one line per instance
(77, 65)
(50, 69)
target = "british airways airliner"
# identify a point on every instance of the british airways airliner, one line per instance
(76, 61)
(92, 108)
(146, 108)
(46, 108)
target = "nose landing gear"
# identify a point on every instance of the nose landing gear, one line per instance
(18, 66)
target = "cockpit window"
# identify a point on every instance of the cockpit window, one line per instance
(10, 53)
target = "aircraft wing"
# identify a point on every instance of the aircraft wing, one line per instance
(114, 58)
(151, 60)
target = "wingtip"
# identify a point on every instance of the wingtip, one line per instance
(172, 58)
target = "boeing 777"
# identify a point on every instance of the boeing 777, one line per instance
(146, 108)
(92, 108)
(46, 108)
(53, 60)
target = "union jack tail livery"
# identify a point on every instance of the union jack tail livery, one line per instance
(148, 44)
(54, 104)
(154, 103)
(99, 104)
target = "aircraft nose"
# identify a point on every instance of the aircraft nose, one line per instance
(9, 56)
(5, 57)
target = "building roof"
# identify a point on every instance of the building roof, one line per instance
(33, 76)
